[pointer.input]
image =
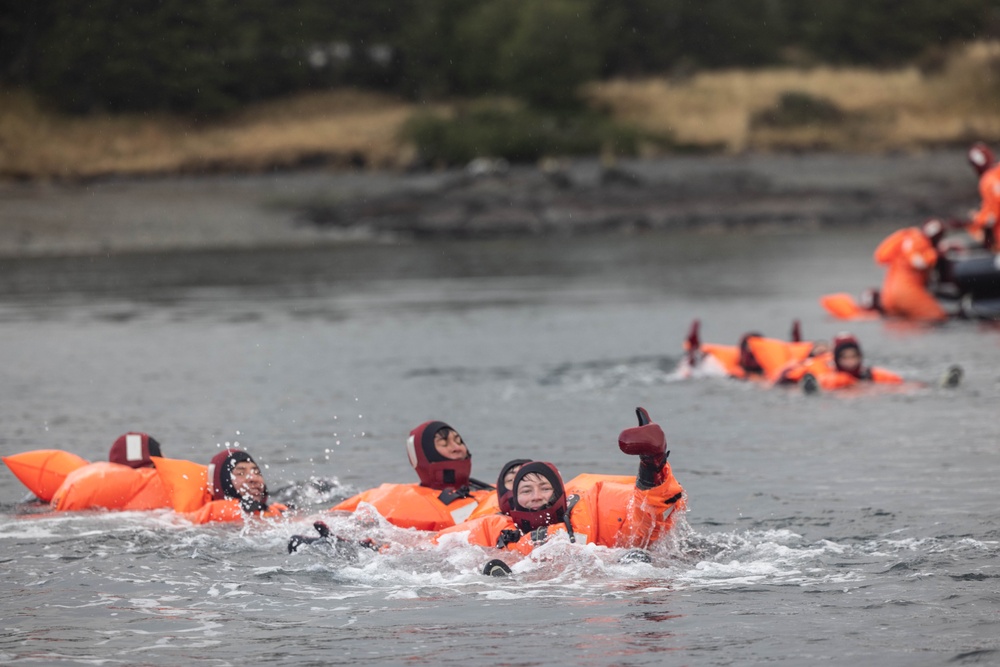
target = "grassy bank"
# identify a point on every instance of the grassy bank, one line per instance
(951, 101)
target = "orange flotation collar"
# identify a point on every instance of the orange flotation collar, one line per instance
(43, 470)
(112, 486)
(415, 506)
(186, 483)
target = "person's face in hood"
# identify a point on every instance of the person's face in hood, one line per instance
(534, 491)
(248, 481)
(508, 478)
(849, 359)
(450, 445)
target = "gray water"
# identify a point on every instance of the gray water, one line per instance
(858, 528)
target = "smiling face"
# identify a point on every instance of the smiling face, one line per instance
(450, 445)
(534, 491)
(248, 481)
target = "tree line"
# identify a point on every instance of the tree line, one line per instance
(211, 56)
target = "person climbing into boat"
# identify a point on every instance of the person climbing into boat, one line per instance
(609, 510)
(910, 256)
(982, 226)
(236, 489)
(446, 494)
(841, 367)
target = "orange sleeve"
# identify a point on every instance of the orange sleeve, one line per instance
(835, 380)
(889, 247)
(483, 531)
(650, 513)
(883, 376)
(919, 252)
(614, 513)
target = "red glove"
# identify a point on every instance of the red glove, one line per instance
(648, 442)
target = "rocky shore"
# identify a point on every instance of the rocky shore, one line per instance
(760, 192)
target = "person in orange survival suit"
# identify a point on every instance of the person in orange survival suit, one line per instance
(236, 489)
(446, 494)
(609, 510)
(755, 357)
(982, 227)
(842, 367)
(127, 481)
(910, 255)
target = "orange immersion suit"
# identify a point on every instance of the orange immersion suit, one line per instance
(910, 256)
(989, 212)
(775, 355)
(604, 509)
(829, 377)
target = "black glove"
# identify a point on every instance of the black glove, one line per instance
(297, 541)
(539, 535)
(251, 505)
(508, 536)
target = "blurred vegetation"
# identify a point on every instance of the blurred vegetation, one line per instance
(796, 108)
(521, 135)
(206, 57)
(104, 87)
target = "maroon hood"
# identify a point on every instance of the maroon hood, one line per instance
(842, 342)
(134, 449)
(434, 470)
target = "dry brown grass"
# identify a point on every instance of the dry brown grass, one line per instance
(904, 109)
(339, 126)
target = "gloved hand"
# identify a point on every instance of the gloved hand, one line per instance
(539, 535)
(508, 536)
(648, 442)
(250, 505)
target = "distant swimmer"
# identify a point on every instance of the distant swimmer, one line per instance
(755, 357)
(446, 494)
(841, 367)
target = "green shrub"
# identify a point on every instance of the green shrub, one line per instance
(522, 135)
